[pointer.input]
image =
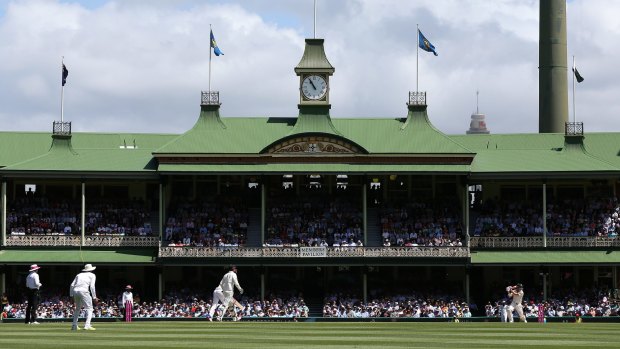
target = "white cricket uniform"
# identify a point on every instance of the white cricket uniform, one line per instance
(83, 291)
(223, 293)
(517, 300)
(229, 281)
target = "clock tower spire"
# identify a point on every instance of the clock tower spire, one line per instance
(314, 71)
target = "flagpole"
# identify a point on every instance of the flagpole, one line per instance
(417, 48)
(62, 91)
(315, 19)
(574, 77)
(210, 43)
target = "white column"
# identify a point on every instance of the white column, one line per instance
(161, 211)
(263, 212)
(466, 216)
(3, 215)
(365, 214)
(83, 225)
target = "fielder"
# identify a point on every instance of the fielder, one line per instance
(223, 293)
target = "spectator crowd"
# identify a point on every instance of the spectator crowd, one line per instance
(421, 224)
(220, 222)
(594, 217)
(313, 223)
(410, 305)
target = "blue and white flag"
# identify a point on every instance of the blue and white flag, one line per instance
(216, 49)
(425, 44)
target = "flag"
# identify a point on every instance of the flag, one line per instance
(425, 44)
(216, 49)
(65, 73)
(577, 75)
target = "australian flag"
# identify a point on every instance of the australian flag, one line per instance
(425, 44)
(216, 49)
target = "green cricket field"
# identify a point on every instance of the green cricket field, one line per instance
(323, 335)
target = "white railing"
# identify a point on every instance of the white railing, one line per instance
(121, 241)
(43, 240)
(537, 242)
(295, 252)
(75, 240)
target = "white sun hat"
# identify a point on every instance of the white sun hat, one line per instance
(89, 267)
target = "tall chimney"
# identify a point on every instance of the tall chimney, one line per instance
(552, 70)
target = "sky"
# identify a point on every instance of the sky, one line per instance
(139, 66)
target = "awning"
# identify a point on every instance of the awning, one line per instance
(74, 256)
(544, 257)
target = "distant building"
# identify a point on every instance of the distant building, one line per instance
(477, 125)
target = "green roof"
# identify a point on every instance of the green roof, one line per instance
(314, 58)
(84, 152)
(519, 154)
(132, 154)
(545, 257)
(64, 256)
(214, 135)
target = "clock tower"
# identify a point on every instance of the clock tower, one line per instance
(314, 71)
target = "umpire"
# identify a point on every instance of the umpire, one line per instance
(32, 287)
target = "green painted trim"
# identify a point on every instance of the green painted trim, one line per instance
(545, 257)
(318, 168)
(32, 256)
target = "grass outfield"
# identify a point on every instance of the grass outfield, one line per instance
(311, 335)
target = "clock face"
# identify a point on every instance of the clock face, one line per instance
(314, 87)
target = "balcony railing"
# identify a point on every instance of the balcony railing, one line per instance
(61, 128)
(417, 98)
(210, 98)
(537, 242)
(74, 241)
(294, 252)
(573, 129)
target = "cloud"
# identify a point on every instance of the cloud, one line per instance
(139, 66)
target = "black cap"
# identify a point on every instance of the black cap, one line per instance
(520, 285)
(233, 267)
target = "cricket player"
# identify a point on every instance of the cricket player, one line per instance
(223, 293)
(516, 293)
